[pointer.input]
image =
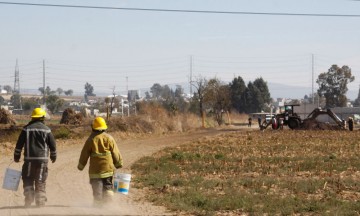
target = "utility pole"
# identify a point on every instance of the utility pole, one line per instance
(127, 92)
(17, 79)
(127, 87)
(191, 65)
(312, 82)
(44, 100)
(17, 83)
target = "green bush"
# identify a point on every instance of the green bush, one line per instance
(62, 133)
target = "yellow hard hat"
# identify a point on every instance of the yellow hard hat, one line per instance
(38, 113)
(99, 124)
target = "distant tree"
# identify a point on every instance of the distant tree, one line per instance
(54, 103)
(2, 100)
(133, 96)
(8, 89)
(69, 92)
(114, 102)
(237, 93)
(294, 101)
(48, 91)
(41, 90)
(194, 104)
(217, 97)
(59, 91)
(30, 103)
(172, 101)
(254, 100)
(89, 89)
(357, 100)
(179, 91)
(147, 95)
(156, 91)
(264, 93)
(200, 85)
(306, 98)
(180, 103)
(15, 101)
(166, 93)
(108, 108)
(315, 99)
(333, 85)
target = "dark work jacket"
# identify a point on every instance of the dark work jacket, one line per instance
(37, 140)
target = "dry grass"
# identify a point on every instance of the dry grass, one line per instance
(152, 120)
(255, 173)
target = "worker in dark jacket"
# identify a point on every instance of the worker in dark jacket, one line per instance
(351, 123)
(104, 156)
(38, 143)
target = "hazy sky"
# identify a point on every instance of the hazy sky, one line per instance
(104, 47)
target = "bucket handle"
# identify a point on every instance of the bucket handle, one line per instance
(11, 162)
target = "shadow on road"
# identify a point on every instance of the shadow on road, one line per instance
(23, 207)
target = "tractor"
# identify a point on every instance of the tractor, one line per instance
(288, 117)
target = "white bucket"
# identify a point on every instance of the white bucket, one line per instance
(122, 183)
(12, 179)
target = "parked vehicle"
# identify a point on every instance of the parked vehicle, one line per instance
(269, 117)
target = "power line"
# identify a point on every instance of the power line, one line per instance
(183, 11)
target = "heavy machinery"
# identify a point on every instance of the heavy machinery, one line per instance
(317, 119)
(287, 116)
(311, 122)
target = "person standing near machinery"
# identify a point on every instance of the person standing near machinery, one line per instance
(259, 121)
(37, 140)
(249, 121)
(104, 155)
(351, 123)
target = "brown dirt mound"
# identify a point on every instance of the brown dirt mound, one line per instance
(310, 124)
(71, 117)
(6, 117)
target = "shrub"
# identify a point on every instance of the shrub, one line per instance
(62, 133)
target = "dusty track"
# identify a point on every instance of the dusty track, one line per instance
(69, 191)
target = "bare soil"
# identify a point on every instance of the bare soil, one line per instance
(69, 191)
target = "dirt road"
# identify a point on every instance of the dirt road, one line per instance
(69, 191)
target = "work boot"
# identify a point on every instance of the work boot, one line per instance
(40, 199)
(108, 196)
(98, 203)
(29, 198)
(40, 204)
(27, 204)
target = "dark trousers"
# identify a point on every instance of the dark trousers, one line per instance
(102, 188)
(34, 175)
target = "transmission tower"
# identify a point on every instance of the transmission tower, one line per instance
(17, 82)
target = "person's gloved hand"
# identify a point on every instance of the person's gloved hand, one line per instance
(118, 166)
(16, 158)
(53, 159)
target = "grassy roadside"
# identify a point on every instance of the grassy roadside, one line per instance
(255, 173)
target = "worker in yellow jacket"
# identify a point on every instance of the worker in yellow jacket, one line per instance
(104, 155)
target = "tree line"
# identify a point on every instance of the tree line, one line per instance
(211, 96)
(214, 97)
